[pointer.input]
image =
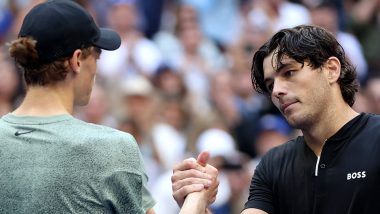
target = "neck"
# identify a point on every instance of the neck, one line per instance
(46, 101)
(327, 126)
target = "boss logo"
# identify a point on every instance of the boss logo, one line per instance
(356, 175)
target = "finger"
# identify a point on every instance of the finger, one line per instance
(191, 173)
(214, 191)
(203, 158)
(180, 194)
(209, 169)
(213, 196)
(188, 164)
(190, 181)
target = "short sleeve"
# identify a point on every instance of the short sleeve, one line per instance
(125, 188)
(261, 192)
(147, 199)
(123, 193)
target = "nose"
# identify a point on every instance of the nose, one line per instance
(279, 89)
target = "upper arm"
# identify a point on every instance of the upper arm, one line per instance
(125, 181)
(253, 211)
(261, 195)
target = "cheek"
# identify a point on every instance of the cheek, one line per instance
(275, 102)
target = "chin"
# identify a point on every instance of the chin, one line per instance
(299, 121)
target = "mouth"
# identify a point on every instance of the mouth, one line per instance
(286, 105)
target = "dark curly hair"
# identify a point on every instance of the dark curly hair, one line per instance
(305, 43)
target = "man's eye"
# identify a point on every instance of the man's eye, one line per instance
(289, 73)
(269, 87)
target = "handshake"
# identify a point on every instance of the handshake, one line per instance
(195, 184)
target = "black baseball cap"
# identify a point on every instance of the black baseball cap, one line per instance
(62, 26)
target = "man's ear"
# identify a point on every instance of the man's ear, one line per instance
(333, 67)
(75, 62)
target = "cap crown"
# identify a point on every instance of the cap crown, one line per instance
(59, 27)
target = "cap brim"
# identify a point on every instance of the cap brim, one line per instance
(108, 40)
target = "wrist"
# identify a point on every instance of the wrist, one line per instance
(195, 203)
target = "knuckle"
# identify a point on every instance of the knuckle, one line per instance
(174, 178)
(194, 172)
(189, 162)
(174, 188)
(214, 170)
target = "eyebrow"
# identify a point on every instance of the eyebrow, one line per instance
(280, 67)
(283, 66)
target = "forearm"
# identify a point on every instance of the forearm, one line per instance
(195, 204)
(150, 211)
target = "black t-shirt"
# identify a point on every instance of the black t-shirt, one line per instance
(345, 179)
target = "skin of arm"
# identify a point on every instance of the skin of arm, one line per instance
(196, 203)
(150, 211)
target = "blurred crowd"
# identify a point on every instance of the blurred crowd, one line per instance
(180, 82)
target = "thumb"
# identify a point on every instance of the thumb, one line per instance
(203, 158)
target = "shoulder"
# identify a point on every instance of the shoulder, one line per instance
(284, 150)
(99, 131)
(104, 141)
(281, 156)
(373, 117)
(370, 122)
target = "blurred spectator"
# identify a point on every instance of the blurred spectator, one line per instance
(239, 177)
(223, 96)
(151, 12)
(167, 39)
(338, 4)
(170, 86)
(20, 9)
(165, 203)
(97, 110)
(238, 105)
(196, 61)
(170, 131)
(9, 86)
(256, 31)
(279, 13)
(373, 93)
(216, 16)
(273, 131)
(173, 47)
(139, 103)
(169, 83)
(6, 19)
(365, 23)
(138, 111)
(137, 54)
(363, 102)
(250, 105)
(326, 15)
